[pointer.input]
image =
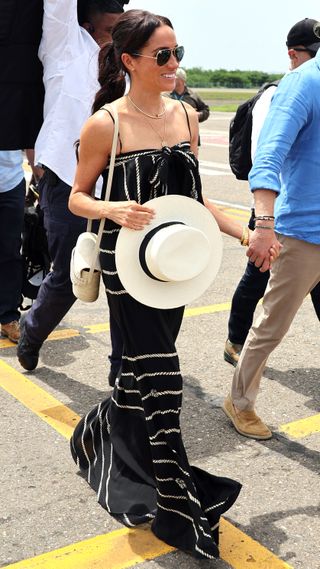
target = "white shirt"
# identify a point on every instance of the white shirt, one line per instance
(259, 113)
(70, 60)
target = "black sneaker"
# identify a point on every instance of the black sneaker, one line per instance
(28, 353)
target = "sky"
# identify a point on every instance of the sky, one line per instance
(233, 34)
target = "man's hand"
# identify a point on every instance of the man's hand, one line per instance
(263, 249)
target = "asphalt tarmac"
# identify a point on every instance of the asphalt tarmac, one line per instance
(49, 517)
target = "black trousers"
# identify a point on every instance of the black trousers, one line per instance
(11, 222)
(55, 297)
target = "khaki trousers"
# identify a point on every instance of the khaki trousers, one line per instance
(293, 275)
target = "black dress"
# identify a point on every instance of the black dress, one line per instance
(129, 447)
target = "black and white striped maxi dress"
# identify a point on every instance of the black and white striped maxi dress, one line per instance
(129, 447)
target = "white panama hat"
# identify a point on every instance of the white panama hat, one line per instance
(175, 258)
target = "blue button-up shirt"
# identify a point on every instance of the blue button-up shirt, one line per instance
(288, 153)
(11, 171)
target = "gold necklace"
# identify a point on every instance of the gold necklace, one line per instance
(156, 116)
(162, 138)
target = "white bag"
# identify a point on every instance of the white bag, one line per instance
(85, 270)
(85, 282)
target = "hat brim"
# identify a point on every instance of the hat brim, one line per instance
(168, 294)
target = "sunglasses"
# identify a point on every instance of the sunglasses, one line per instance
(312, 53)
(163, 55)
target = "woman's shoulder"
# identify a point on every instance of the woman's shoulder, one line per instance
(103, 119)
(175, 105)
(99, 127)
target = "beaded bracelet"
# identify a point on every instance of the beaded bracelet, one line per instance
(263, 227)
(264, 218)
(244, 240)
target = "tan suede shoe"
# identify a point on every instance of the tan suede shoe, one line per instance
(232, 352)
(247, 423)
(11, 331)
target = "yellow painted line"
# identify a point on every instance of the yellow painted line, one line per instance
(104, 326)
(116, 550)
(56, 335)
(237, 217)
(44, 405)
(97, 328)
(63, 334)
(5, 343)
(233, 211)
(197, 311)
(243, 552)
(302, 427)
(211, 309)
(296, 429)
(122, 548)
(127, 548)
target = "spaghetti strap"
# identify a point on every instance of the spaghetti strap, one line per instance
(105, 108)
(185, 110)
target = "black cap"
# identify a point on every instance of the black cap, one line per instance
(305, 33)
(107, 6)
(116, 6)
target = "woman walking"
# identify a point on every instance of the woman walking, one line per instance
(130, 446)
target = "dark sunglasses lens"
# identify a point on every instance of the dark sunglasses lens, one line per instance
(163, 56)
(179, 53)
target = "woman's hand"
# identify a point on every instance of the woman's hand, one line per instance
(264, 248)
(275, 251)
(128, 214)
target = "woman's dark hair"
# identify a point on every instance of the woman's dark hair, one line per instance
(131, 32)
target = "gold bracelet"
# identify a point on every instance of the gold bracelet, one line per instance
(244, 240)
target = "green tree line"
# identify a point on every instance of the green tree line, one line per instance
(198, 77)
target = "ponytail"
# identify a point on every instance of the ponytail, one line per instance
(131, 32)
(111, 77)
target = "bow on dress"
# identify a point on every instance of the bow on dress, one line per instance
(176, 171)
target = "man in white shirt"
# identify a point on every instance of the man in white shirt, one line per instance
(302, 44)
(69, 48)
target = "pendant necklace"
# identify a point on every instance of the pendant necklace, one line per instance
(156, 116)
(163, 137)
(159, 116)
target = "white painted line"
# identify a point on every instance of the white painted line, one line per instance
(229, 204)
(207, 172)
(219, 165)
(204, 144)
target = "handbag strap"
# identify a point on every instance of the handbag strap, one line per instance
(109, 184)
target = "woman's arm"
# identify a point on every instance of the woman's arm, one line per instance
(235, 229)
(226, 224)
(194, 125)
(95, 147)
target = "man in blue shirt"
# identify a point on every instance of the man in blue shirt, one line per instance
(302, 45)
(286, 167)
